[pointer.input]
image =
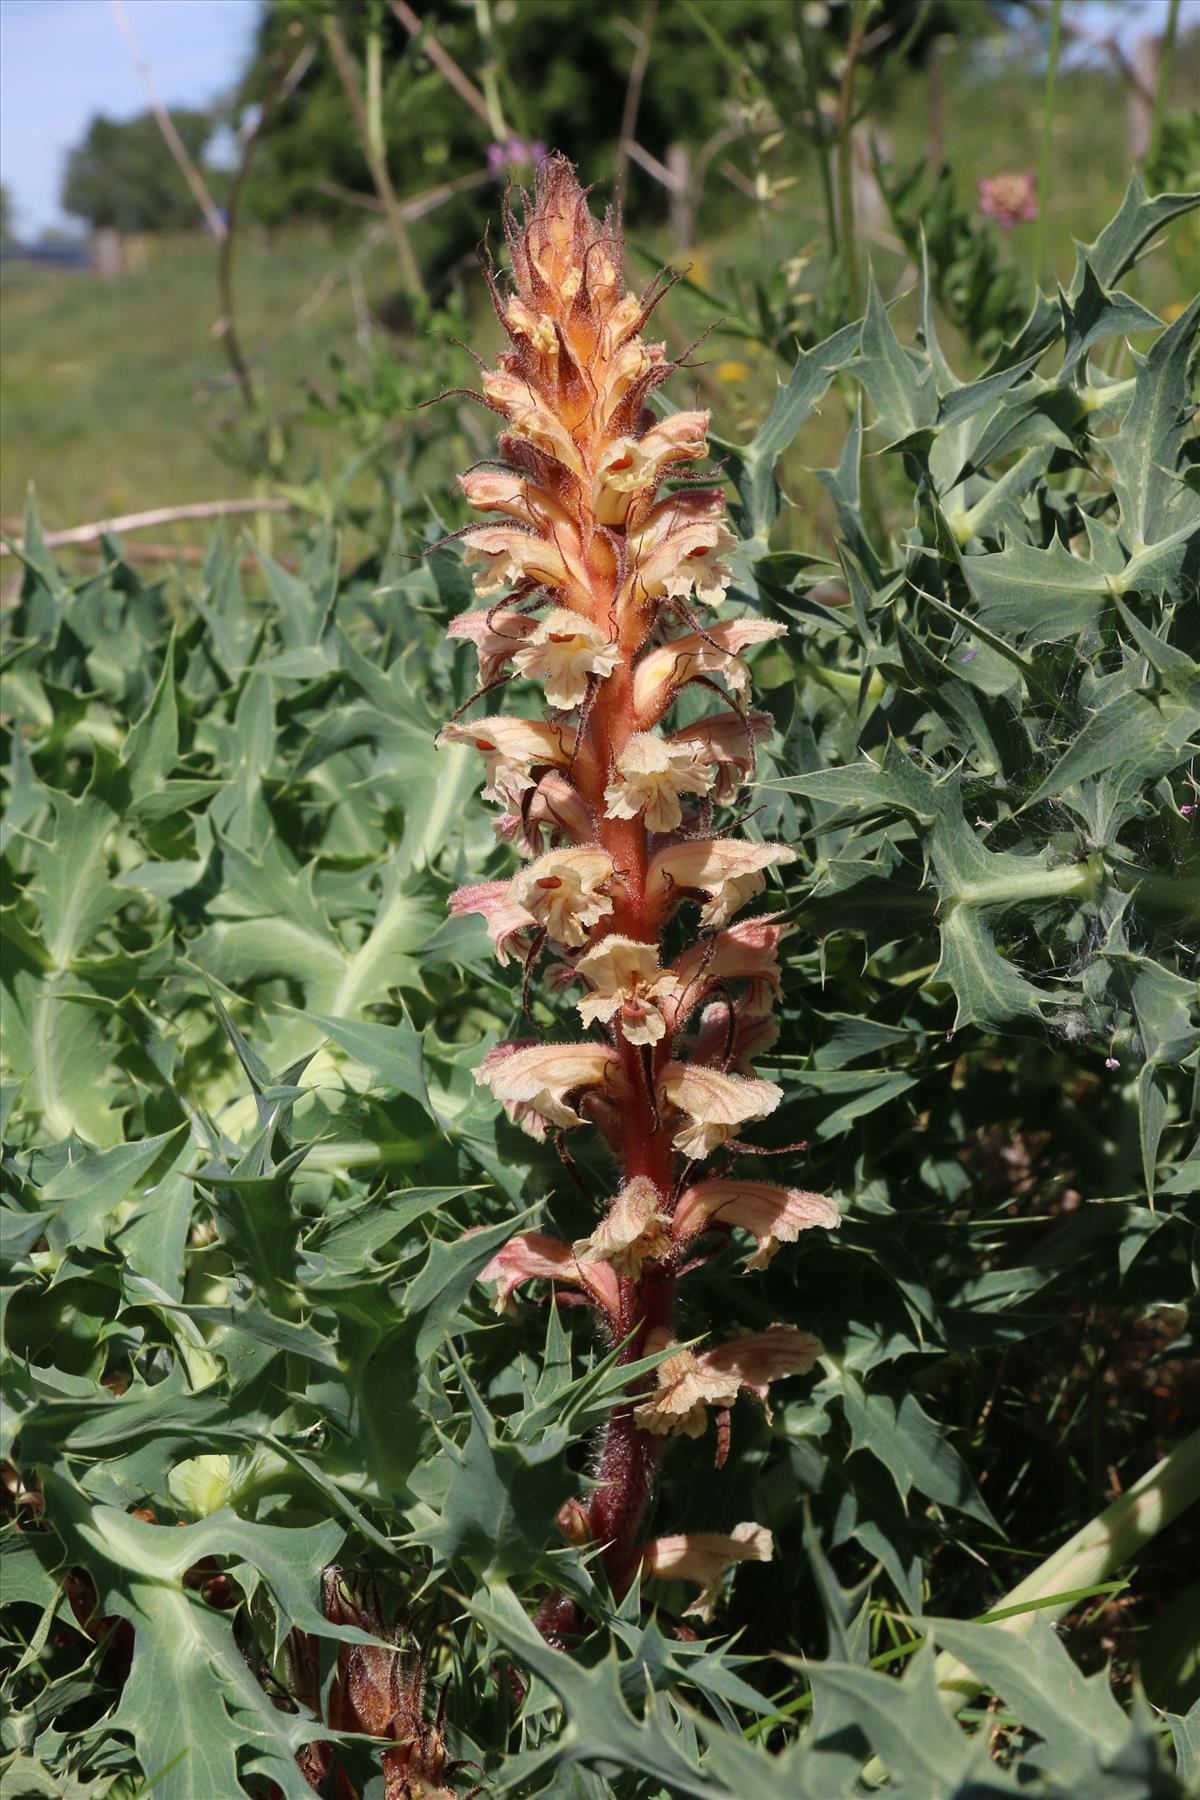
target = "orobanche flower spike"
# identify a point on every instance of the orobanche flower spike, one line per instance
(598, 567)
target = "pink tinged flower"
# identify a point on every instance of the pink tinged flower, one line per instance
(731, 1037)
(513, 748)
(729, 871)
(554, 806)
(772, 1215)
(564, 890)
(726, 742)
(539, 1079)
(530, 417)
(633, 466)
(504, 491)
(745, 951)
(761, 1357)
(663, 671)
(511, 555)
(679, 554)
(509, 926)
(1008, 198)
(535, 1256)
(634, 1230)
(714, 1104)
(703, 1557)
(627, 985)
(689, 1383)
(649, 776)
(562, 650)
(627, 365)
(496, 635)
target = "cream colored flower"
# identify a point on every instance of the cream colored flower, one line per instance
(772, 1215)
(686, 1390)
(730, 871)
(530, 417)
(563, 649)
(513, 748)
(758, 1358)
(633, 1231)
(564, 890)
(714, 1104)
(632, 466)
(726, 740)
(703, 1557)
(689, 1383)
(510, 556)
(538, 328)
(508, 491)
(509, 926)
(627, 984)
(534, 1255)
(651, 773)
(678, 549)
(663, 671)
(537, 1078)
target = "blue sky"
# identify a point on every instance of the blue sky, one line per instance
(63, 60)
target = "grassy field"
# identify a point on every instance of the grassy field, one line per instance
(117, 394)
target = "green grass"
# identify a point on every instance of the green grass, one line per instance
(116, 394)
(115, 391)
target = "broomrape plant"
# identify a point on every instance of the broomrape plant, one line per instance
(315, 1085)
(607, 575)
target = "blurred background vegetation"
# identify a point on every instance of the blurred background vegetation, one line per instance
(364, 152)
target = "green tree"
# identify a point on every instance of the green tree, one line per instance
(121, 176)
(6, 214)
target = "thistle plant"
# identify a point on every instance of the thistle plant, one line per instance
(602, 575)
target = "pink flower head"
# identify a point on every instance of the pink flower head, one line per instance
(512, 749)
(703, 1557)
(663, 671)
(535, 1256)
(713, 1104)
(689, 1383)
(634, 1230)
(534, 1082)
(745, 951)
(725, 741)
(1008, 198)
(772, 1215)
(725, 872)
(730, 1037)
(496, 635)
(509, 926)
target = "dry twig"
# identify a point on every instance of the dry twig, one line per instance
(166, 125)
(160, 515)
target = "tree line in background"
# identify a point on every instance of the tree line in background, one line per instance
(310, 164)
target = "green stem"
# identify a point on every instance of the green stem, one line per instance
(846, 162)
(1038, 884)
(820, 135)
(1043, 193)
(1085, 1561)
(375, 89)
(1092, 1556)
(1163, 85)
